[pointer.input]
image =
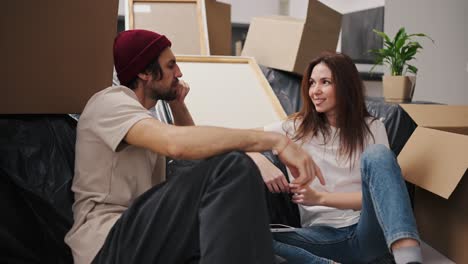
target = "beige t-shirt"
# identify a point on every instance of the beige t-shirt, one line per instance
(109, 174)
(336, 171)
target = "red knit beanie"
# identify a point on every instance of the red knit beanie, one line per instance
(134, 50)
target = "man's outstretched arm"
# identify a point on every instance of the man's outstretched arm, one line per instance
(198, 142)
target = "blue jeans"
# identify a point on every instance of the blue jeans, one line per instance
(386, 217)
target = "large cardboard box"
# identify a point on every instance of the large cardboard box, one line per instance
(195, 27)
(288, 43)
(435, 159)
(55, 54)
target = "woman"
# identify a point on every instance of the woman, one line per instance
(362, 211)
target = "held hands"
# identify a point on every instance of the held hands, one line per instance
(305, 195)
(272, 176)
(299, 162)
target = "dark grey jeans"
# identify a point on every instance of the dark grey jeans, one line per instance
(213, 213)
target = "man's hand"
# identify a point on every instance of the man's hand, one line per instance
(300, 163)
(180, 112)
(182, 90)
(272, 176)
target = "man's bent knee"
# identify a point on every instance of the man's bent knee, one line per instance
(239, 164)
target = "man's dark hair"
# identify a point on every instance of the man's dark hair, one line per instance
(154, 68)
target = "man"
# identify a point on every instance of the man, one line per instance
(126, 212)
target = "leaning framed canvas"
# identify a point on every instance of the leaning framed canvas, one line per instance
(229, 92)
(182, 21)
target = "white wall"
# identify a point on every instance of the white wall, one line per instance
(298, 8)
(122, 7)
(443, 67)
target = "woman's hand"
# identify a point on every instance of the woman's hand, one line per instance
(272, 176)
(306, 196)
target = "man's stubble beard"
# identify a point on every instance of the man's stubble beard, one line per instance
(166, 95)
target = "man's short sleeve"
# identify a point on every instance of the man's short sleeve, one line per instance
(112, 113)
(284, 127)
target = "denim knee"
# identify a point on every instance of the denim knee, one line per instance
(377, 156)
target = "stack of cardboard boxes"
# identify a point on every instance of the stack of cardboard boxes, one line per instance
(435, 159)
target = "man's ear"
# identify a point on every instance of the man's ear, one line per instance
(144, 76)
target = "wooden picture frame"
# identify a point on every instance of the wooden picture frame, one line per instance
(229, 92)
(188, 35)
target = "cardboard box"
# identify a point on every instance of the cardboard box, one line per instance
(289, 44)
(218, 18)
(55, 54)
(435, 159)
(195, 27)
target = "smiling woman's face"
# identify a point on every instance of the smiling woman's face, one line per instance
(322, 91)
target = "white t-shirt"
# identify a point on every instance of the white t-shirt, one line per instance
(336, 171)
(109, 174)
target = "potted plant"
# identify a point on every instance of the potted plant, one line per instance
(396, 54)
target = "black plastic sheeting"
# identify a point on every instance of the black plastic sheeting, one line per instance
(36, 169)
(398, 123)
(287, 87)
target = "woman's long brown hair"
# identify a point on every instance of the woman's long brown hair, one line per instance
(350, 108)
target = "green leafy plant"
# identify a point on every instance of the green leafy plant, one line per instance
(397, 52)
